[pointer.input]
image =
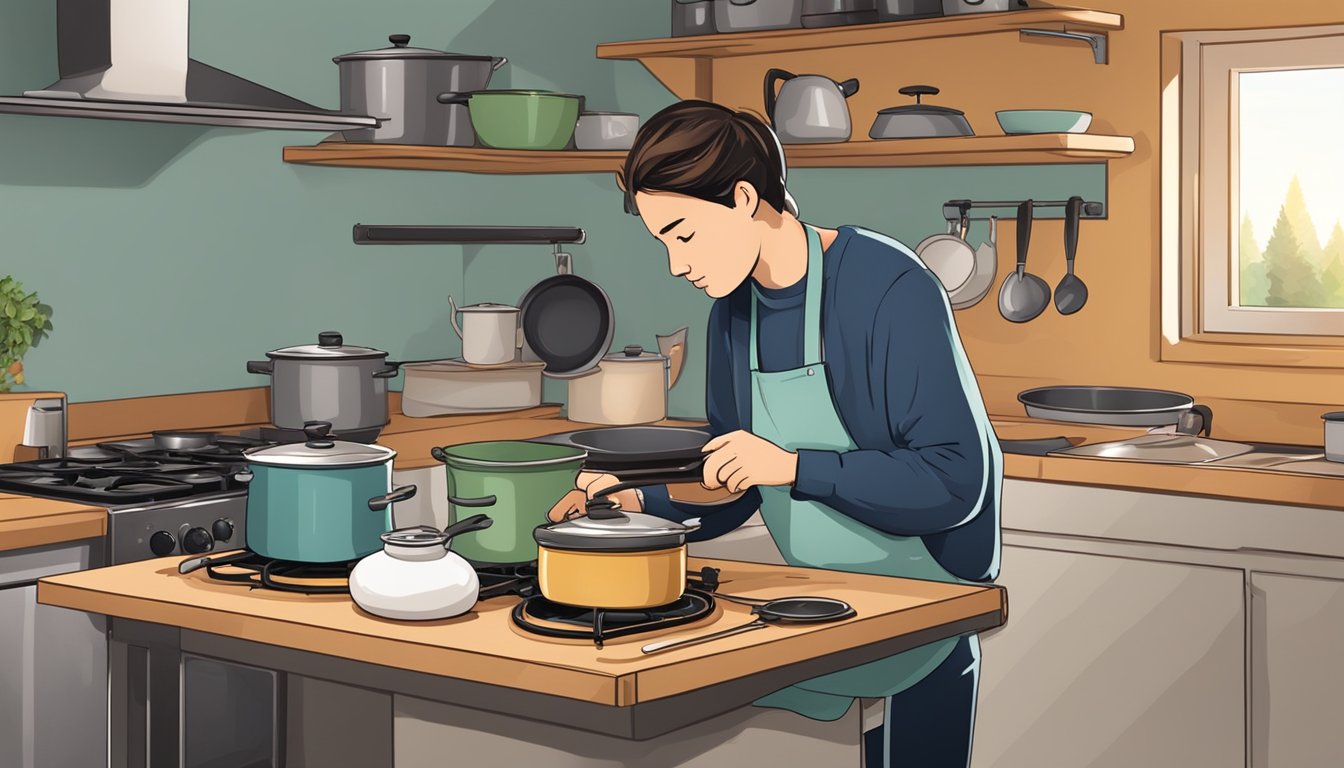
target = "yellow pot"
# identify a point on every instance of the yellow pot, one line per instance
(612, 579)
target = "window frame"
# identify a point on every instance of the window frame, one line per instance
(1198, 193)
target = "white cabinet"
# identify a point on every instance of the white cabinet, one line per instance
(1297, 679)
(1108, 661)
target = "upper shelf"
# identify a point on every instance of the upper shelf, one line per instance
(1030, 149)
(784, 40)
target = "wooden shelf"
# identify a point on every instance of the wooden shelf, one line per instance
(466, 159)
(1039, 148)
(969, 150)
(785, 40)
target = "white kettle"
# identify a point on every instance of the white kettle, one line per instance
(808, 108)
(416, 577)
(489, 332)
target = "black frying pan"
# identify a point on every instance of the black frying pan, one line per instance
(568, 323)
(640, 456)
(1115, 406)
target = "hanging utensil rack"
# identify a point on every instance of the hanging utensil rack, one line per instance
(953, 210)
(451, 234)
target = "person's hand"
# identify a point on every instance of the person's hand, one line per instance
(575, 503)
(739, 460)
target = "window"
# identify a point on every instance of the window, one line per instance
(1253, 192)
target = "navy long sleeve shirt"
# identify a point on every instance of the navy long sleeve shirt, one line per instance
(927, 463)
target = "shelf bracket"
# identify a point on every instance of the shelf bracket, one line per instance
(1097, 40)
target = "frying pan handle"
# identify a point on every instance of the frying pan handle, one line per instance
(684, 473)
(666, 644)
(1196, 421)
(1023, 234)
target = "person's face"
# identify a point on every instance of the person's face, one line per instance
(712, 246)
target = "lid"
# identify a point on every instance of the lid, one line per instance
(419, 536)
(401, 50)
(1334, 416)
(488, 307)
(330, 346)
(621, 532)
(320, 452)
(634, 354)
(919, 108)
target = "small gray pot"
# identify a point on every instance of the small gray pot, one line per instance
(345, 386)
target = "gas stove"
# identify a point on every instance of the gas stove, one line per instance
(161, 501)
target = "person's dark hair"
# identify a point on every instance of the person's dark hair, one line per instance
(702, 149)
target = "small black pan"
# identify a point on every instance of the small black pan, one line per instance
(787, 610)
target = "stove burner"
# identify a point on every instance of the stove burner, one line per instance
(500, 580)
(282, 575)
(601, 624)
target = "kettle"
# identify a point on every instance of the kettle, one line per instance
(808, 108)
(416, 577)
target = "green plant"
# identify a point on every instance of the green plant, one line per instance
(22, 321)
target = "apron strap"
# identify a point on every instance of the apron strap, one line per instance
(813, 349)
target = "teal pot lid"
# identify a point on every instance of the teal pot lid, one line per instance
(321, 454)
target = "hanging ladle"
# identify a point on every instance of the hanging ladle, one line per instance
(1071, 294)
(1023, 295)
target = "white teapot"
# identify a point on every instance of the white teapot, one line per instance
(416, 577)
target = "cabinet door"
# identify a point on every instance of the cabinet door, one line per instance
(1297, 679)
(16, 676)
(1107, 661)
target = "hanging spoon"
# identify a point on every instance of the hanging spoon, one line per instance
(1023, 295)
(1071, 294)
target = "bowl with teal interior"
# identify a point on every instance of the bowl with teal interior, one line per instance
(1043, 121)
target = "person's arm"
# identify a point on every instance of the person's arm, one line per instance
(938, 476)
(721, 412)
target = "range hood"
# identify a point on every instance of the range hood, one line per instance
(127, 60)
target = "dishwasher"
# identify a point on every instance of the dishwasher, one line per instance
(53, 664)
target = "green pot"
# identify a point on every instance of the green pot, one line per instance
(505, 119)
(525, 480)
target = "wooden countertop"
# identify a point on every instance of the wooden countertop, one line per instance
(484, 646)
(28, 522)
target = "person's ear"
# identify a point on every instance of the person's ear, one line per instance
(746, 198)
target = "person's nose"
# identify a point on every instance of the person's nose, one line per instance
(678, 267)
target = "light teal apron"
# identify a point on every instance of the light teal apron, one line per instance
(793, 409)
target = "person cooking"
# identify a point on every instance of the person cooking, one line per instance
(841, 405)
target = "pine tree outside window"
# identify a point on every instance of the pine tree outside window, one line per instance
(1253, 196)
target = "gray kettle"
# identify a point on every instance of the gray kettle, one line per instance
(808, 109)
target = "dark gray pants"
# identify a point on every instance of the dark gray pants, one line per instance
(930, 724)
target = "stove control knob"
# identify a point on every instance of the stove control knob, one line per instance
(162, 543)
(222, 529)
(197, 540)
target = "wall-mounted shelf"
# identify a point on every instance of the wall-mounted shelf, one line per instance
(465, 159)
(680, 63)
(1033, 149)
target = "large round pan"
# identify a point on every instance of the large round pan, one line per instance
(568, 323)
(650, 454)
(1112, 406)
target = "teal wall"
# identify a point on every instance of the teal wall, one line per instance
(171, 254)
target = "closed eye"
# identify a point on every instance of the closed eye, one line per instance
(687, 238)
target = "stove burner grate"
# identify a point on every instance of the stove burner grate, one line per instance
(500, 580)
(599, 625)
(281, 575)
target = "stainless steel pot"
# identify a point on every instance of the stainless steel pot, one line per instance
(328, 381)
(919, 120)
(401, 84)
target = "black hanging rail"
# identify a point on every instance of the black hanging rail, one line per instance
(400, 234)
(954, 209)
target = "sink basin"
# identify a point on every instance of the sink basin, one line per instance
(1163, 449)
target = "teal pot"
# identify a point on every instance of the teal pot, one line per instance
(322, 501)
(520, 119)
(515, 483)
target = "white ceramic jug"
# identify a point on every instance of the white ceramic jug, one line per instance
(416, 577)
(489, 332)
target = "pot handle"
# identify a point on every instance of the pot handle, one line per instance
(849, 87)
(266, 367)
(1196, 421)
(453, 305)
(244, 476)
(473, 523)
(379, 503)
(771, 77)
(484, 501)
(388, 371)
(453, 97)
(499, 62)
(318, 434)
